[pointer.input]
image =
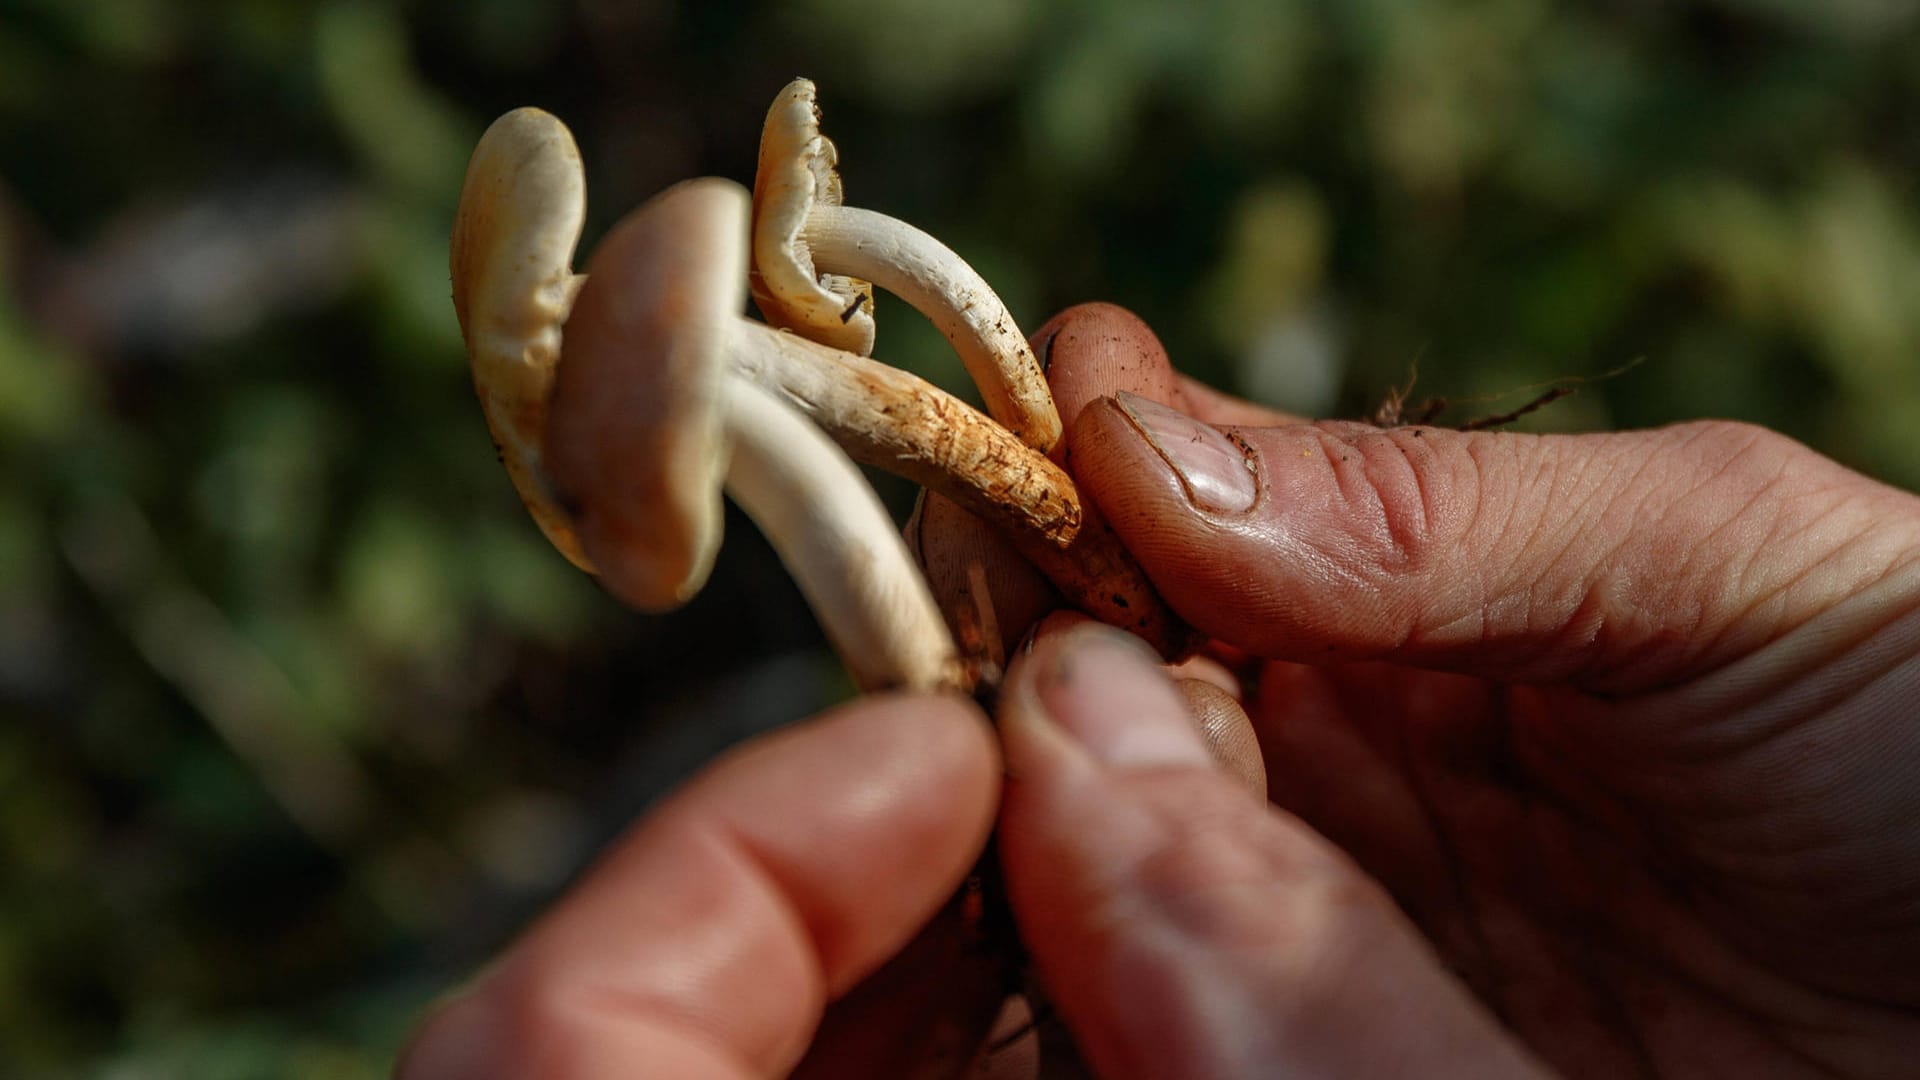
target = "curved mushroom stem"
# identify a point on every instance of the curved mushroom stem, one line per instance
(927, 274)
(806, 244)
(840, 545)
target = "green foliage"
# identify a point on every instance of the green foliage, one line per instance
(303, 718)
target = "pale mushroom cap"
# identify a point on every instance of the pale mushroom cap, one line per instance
(803, 235)
(636, 442)
(798, 168)
(519, 219)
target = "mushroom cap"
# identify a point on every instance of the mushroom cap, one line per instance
(637, 441)
(797, 170)
(514, 233)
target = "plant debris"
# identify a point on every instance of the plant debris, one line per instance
(1394, 412)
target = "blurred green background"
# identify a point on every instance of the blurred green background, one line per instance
(302, 718)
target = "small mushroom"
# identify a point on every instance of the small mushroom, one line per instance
(807, 245)
(513, 239)
(649, 417)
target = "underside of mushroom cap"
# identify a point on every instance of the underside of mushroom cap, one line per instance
(799, 167)
(636, 440)
(514, 234)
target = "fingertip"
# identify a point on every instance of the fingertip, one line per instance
(871, 828)
(1097, 349)
(1202, 686)
(1108, 693)
(1228, 731)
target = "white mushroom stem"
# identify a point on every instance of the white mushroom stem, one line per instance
(899, 422)
(938, 283)
(839, 544)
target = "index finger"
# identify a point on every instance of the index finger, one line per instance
(709, 940)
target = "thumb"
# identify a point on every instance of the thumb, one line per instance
(1182, 927)
(1619, 561)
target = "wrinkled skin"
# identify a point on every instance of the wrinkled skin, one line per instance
(1594, 754)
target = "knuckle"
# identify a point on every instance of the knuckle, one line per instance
(1410, 490)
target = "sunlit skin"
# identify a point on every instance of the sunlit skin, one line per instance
(1594, 754)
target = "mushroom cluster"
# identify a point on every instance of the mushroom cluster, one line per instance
(626, 399)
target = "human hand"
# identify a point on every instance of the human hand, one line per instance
(1657, 821)
(708, 940)
(1625, 724)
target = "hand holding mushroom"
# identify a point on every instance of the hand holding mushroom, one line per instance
(1591, 830)
(666, 394)
(1615, 733)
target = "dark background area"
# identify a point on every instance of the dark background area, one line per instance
(302, 718)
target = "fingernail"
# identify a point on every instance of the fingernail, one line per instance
(1106, 689)
(1215, 472)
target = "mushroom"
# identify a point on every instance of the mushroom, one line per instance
(833, 309)
(513, 315)
(811, 253)
(649, 417)
(521, 208)
(515, 232)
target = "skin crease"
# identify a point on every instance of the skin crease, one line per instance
(1589, 753)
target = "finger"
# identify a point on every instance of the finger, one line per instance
(1184, 929)
(1211, 697)
(708, 940)
(1091, 351)
(1620, 561)
(1228, 733)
